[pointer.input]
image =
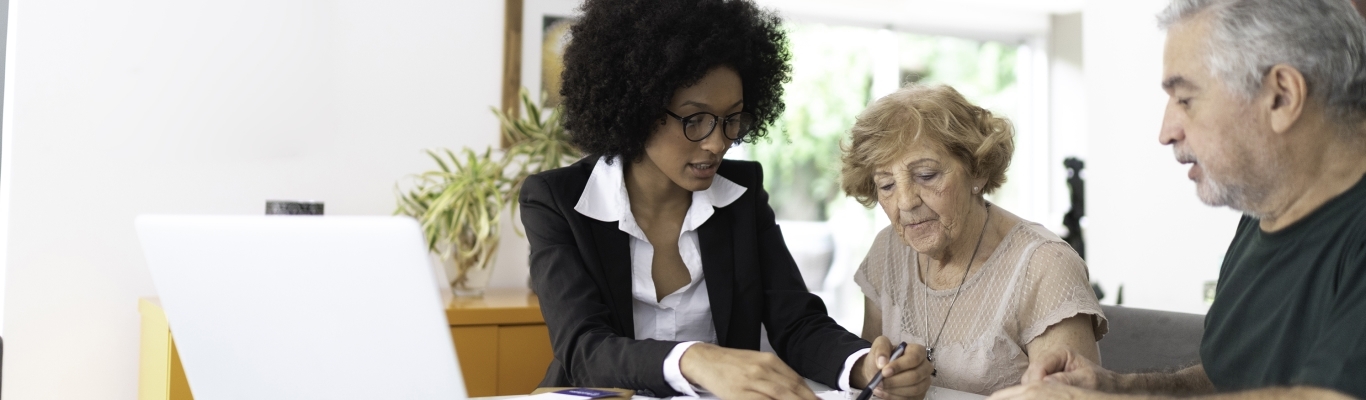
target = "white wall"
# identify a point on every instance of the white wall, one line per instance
(163, 106)
(1067, 110)
(1145, 228)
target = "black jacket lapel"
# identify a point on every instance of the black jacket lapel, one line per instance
(614, 250)
(718, 268)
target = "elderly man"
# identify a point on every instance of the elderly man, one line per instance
(1267, 103)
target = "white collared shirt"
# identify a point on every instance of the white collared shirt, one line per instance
(685, 314)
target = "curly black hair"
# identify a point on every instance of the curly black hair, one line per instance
(626, 58)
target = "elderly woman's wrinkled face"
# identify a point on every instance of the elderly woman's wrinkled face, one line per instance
(927, 193)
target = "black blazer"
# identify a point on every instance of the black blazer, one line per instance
(581, 269)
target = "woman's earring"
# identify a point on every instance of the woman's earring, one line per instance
(975, 189)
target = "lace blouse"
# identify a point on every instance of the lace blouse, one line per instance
(1031, 281)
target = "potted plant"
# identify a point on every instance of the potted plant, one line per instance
(535, 144)
(459, 205)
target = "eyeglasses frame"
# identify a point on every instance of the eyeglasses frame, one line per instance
(723, 123)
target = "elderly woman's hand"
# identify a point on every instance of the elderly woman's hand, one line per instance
(906, 378)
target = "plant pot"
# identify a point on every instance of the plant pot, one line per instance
(473, 283)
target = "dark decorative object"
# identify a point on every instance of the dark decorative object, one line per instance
(287, 207)
(1072, 220)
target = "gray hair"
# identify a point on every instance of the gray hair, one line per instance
(1324, 39)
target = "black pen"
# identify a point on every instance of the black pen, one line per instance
(868, 391)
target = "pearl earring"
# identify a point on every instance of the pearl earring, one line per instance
(975, 189)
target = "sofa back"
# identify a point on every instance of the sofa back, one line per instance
(1143, 340)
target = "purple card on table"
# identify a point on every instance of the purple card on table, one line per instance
(589, 393)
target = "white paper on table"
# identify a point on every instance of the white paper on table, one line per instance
(935, 393)
(938, 393)
(555, 396)
(825, 393)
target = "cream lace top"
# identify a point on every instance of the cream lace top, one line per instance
(1031, 281)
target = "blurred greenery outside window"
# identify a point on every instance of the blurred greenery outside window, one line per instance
(833, 70)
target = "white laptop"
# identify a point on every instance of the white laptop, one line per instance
(302, 307)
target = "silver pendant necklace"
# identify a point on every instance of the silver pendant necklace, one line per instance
(929, 352)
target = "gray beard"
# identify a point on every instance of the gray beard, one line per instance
(1216, 194)
(1247, 195)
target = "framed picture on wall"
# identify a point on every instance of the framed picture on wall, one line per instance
(545, 33)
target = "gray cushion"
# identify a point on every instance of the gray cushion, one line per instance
(1150, 340)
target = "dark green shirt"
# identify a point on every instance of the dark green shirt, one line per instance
(1290, 307)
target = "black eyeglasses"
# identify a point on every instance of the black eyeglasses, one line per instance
(699, 126)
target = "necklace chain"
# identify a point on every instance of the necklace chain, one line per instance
(929, 352)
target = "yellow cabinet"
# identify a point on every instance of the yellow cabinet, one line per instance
(159, 373)
(502, 342)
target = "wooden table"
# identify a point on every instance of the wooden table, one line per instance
(502, 342)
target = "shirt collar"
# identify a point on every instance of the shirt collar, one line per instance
(604, 198)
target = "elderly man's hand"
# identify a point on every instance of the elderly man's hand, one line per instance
(1045, 391)
(906, 378)
(1069, 368)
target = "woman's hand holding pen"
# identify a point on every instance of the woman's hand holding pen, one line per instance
(905, 378)
(742, 374)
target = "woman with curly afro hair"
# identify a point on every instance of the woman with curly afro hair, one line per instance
(655, 260)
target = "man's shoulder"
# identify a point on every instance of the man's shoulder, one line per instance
(1341, 222)
(1354, 200)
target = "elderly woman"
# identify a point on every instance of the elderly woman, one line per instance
(978, 287)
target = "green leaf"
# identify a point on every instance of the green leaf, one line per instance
(459, 204)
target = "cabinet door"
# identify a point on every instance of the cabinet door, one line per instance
(180, 386)
(477, 348)
(160, 374)
(523, 356)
